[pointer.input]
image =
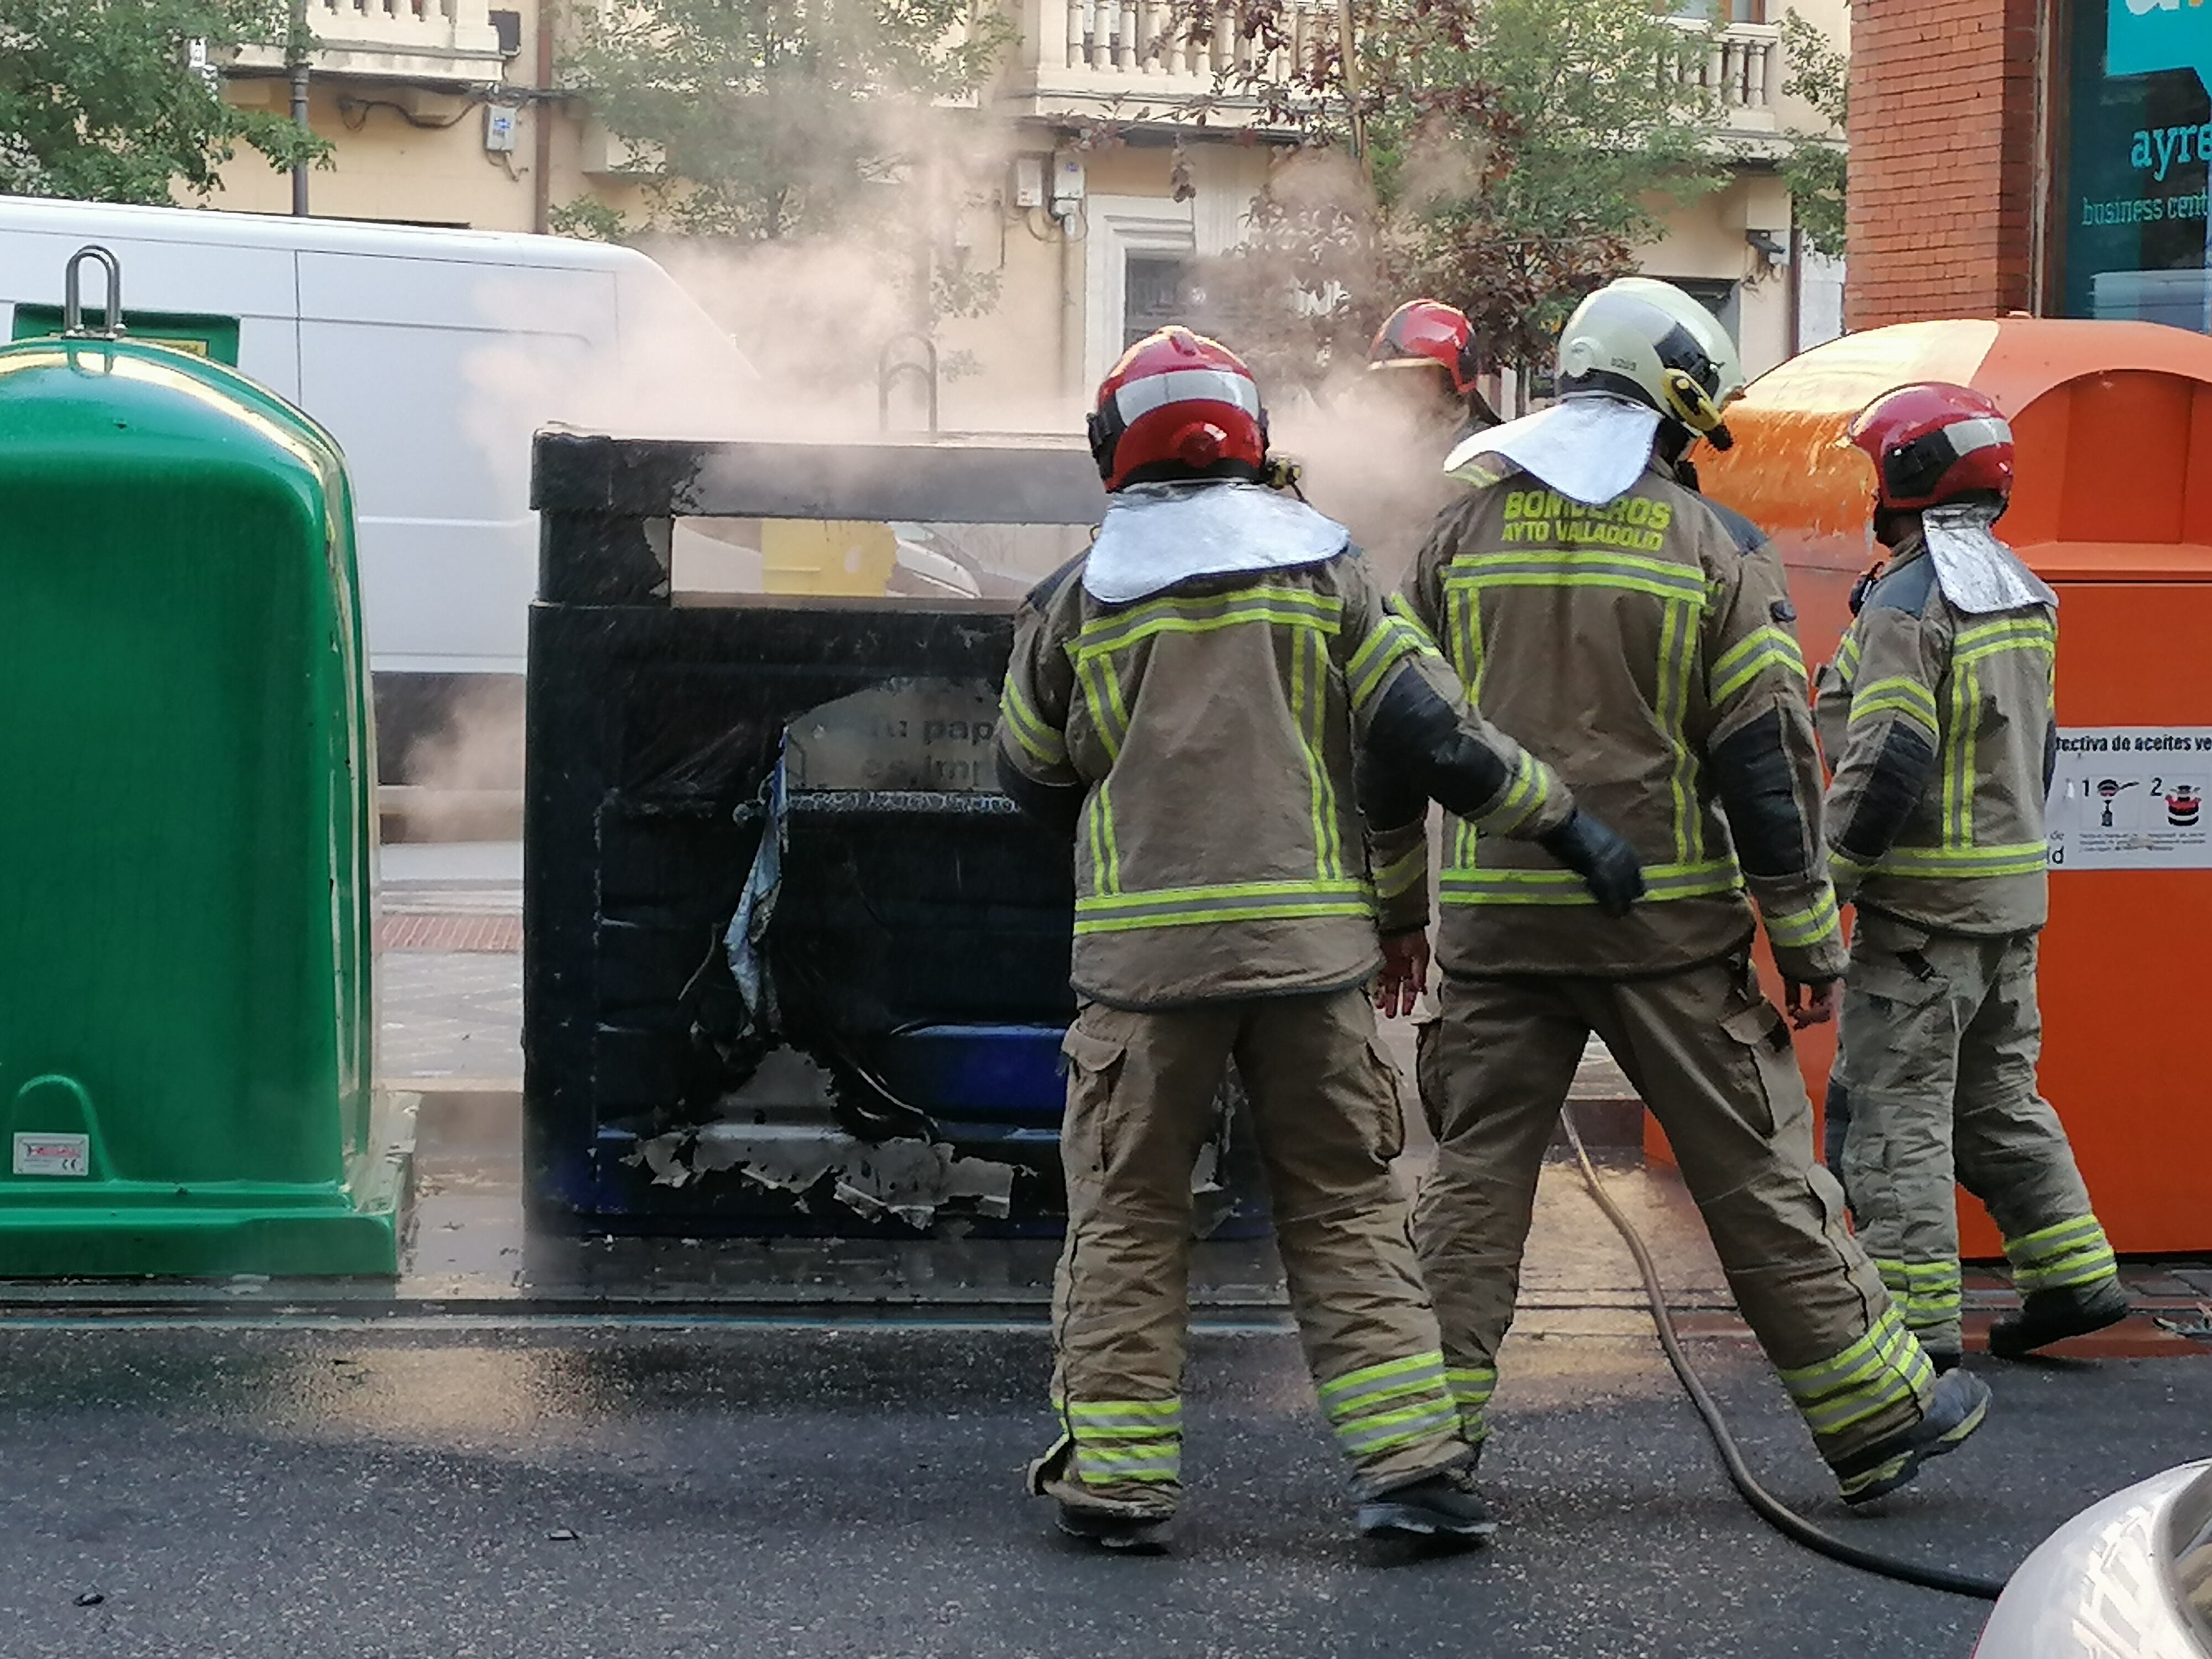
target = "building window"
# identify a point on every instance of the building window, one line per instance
(1155, 291)
(1723, 299)
(1729, 11)
(2131, 228)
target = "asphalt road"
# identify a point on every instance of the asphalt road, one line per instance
(741, 1490)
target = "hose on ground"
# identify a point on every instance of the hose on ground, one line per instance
(1764, 1503)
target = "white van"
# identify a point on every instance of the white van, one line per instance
(431, 355)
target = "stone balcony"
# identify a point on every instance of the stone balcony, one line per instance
(1108, 58)
(1740, 66)
(1116, 57)
(444, 43)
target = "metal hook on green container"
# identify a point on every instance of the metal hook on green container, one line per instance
(73, 326)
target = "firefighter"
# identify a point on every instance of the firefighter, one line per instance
(1426, 352)
(1938, 712)
(1639, 638)
(1184, 699)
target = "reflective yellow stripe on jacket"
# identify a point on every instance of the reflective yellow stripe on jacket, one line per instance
(1971, 646)
(1249, 901)
(1681, 590)
(1661, 882)
(1312, 620)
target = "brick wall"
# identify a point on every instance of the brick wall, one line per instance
(1942, 149)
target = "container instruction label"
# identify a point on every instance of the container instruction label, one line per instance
(2131, 797)
(53, 1155)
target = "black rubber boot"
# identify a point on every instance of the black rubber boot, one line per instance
(1441, 1505)
(1142, 1526)
(1945, 1360)
(2047, 1316)
(1954, 1411)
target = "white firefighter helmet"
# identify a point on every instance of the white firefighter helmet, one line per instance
(1689, 311)
(1648, 342)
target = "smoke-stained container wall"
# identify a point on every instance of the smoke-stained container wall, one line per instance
(186, 1020)
(898, 1072)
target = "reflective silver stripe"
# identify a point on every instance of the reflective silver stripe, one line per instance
(1401, 1402)
(2054, 1258)
(1984, 432)
(1107, 1465)
(1126, 1441)
(1187, 385)
(1471, 1388)
(1880, 1370)
(1383, 1432)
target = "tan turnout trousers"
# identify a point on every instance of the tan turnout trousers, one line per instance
(1325, 1109)
(1711, 1056)
(1942, 1033)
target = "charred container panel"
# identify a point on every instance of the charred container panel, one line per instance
(919, 941)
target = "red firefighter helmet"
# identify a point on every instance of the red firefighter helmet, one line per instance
(1178, 405)
(1424, 332)
(1933, 443)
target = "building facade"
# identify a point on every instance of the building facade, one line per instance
(447, 112)
(2051, 157)
(441, 113)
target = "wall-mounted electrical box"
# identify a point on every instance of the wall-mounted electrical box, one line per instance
(1067, 184)
(1026, 189)
(501, 121)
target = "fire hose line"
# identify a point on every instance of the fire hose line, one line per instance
(1763, 1503)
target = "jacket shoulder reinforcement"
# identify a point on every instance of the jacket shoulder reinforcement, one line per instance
(1908, 587)
(1749, 538)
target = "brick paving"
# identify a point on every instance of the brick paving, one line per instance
(422, 932)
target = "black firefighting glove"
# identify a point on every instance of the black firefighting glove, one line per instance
(1607, 863)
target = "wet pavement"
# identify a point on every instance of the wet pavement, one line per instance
(446, 1015)
(609, 1491)
(591, 1451)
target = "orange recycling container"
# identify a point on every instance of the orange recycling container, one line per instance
(2113, 507)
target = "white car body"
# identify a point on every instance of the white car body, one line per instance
(2129, 1577)
(432, 355)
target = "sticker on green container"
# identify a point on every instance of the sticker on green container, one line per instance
(202, 336)
(53, 1155)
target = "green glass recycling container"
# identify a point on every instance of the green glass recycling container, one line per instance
(186, 1016)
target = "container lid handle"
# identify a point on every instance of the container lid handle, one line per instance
(73, 295)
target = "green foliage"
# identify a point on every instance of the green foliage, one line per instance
(96, 100)
(756, 119)
(1816, 169)
(588, 220)
(1506, 156)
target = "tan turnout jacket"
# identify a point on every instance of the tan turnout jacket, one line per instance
(1939, 724)
(1645, 650)
(1211, 729)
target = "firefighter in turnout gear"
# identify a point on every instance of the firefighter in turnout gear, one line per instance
(1639, 639)
(1185, 700)
(1937, 714)
(1428, 350)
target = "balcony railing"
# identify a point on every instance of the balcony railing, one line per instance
(1151, 39)
(452, 41)
(1111, 52)
(1117, 49)
(1738, 65)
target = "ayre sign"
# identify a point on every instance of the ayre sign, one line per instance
(2147, 36)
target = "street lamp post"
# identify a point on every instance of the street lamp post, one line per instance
(295, 59)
